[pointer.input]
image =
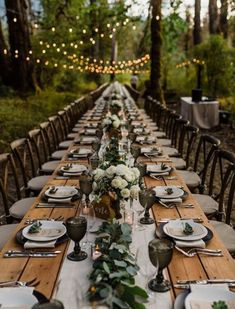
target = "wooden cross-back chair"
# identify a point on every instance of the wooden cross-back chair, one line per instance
(14, 198)
(196, 176)
(27, 162)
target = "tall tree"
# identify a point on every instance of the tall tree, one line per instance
(155, 53)
(213, 17)
(19, 40)
(197, 23)
(224, 18)
(4, 60)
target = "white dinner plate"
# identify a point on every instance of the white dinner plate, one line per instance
(62, 192)
(210, 294)
(156, 168)
(162, 193)
(174, 229)
(74, 168)
(81, 152)
(46, 225)
(17, 297)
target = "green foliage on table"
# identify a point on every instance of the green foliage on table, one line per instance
(219, 305)
(112, 154)
(116, 266)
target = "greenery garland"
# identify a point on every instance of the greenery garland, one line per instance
(116, 266)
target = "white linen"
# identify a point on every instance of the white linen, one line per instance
(42, 244)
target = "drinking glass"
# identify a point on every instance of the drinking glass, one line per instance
(94, 160)
(142, 169)
(88, 212)
(147, 199)
(76, 230)
(160, 255)
(135, 151)
(99, 296)
(85, 183)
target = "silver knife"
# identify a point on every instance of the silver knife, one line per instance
(50, 205)
(10, 254)
(165, 220)
(205, 281)
(187, 286)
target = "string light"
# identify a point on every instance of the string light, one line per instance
(187, 63)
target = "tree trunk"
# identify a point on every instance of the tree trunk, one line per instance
(197, 23)
(4, 60)
(224, 18)
(213, 17)
(19, 39)
(156, 38)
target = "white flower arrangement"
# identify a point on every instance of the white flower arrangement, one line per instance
(116, 103)
(120, 180)
(112, 121)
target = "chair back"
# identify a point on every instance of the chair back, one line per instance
(187, 141)
(206, 148)
(222, 182)
(10, 189)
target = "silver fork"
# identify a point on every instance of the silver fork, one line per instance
(31, 221)
(32, 282)
(194, 251)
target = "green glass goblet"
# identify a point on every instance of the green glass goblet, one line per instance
(85, 183)
(142, 169)
(135, 151)
(147, 199)
(160, 254)
(76, 230)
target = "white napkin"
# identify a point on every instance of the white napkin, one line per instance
(59, 200)
(190, 244)
(159, 174)
(72, 174)
(206, 304)
(172, 200)
(16, 291)
(39, 244)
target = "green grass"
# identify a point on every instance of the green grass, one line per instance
(19, 115)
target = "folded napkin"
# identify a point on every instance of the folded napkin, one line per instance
(29, 244)
(159, 174)
(190, 244)
(60, 200)
(13, 293)
(71, 174)
(171, 200)
(207, 304)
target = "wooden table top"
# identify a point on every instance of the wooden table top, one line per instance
(181, 267)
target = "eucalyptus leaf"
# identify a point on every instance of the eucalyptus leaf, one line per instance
(120, 263)
(131, 270)
(106, 267)
(119, 303)
(118, 274)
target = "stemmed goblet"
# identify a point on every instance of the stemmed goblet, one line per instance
(76, 229)
(135, 151)
(142, 169)
(160, 255)
(85, 183)
(147, 199)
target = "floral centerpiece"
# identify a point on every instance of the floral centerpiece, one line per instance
(117, 182)
(115, 106)
(112, 124)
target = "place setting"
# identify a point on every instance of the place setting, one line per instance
(157, 171)
(151, 152)
(79, 153)
(85, 140)
(145, 140)
(72, 169)
(59, 196)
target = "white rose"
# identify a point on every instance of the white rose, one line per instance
(99, 173)
(116, 124)
(124, 184)
(110, 171)
(134, 191)
(121, 169)
(129, 176)
(116, 183)
(136, 172)
(125, 193)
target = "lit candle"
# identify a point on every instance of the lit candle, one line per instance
(96, 254)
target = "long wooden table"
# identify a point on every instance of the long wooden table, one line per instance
(47, 269)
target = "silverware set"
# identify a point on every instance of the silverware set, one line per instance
(185, 284)
(194, 251)
(165, 220)
(41, 254)
(16, 283)
(31, 221)
(52, 205)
